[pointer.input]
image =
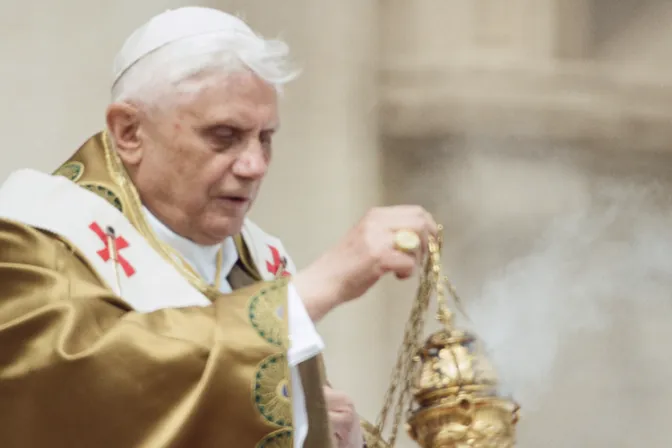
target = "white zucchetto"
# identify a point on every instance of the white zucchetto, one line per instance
(171, 26)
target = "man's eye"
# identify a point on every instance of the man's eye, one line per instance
(224, 138)
(223, 133)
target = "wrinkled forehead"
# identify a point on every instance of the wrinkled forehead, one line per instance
(239, 98)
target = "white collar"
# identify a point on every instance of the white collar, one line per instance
(203, 259)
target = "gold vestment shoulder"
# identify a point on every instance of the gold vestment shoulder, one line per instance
(203, 376)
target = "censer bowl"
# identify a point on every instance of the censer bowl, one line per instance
(465, 422)
(456, 404)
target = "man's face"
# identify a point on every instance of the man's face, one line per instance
(203, 161)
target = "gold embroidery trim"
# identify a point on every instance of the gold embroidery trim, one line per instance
(71, 170)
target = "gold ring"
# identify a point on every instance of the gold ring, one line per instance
(406, 241)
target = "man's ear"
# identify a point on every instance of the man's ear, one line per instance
(123, 124)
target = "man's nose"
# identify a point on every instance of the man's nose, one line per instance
(252, 162)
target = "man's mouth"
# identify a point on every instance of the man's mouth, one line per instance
(237, 198)
(234, 200)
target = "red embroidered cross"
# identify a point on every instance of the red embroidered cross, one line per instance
(277, 263)
(119, 244)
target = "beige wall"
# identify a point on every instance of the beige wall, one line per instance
(496, 165)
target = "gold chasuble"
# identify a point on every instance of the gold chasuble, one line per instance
(110, 339)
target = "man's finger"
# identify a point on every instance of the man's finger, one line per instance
(402, 264)
(337, 400)
(341, 424)
(408, 217)
(432, 226)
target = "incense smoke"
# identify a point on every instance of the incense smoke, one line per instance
(563, 260)
(543, 318)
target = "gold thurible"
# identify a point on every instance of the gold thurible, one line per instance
(445, 387)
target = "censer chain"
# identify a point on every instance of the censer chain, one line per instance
(430, 282)
(401, 370)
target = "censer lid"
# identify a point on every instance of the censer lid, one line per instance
(451, 362)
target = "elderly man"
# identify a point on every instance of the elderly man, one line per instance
(140, 308)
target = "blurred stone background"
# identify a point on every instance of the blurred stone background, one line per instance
(498, 116)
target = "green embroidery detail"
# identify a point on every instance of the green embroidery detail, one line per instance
(71, 170)
(271, 391)
(105, 193)
(281, 438)
(266, 314)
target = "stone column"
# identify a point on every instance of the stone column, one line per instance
(431, 33)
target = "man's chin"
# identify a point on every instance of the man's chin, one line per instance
(224, 228)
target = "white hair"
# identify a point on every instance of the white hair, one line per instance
(168, 69)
